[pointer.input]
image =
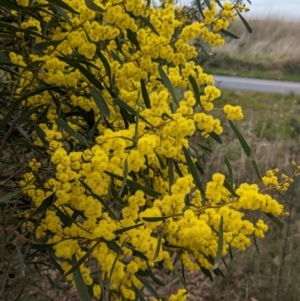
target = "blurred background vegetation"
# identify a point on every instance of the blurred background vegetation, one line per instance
(272, 51)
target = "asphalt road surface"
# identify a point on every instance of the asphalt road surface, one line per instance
(256, 85)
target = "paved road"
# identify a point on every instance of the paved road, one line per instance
(257, 85)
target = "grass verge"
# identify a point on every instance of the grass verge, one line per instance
(271, 51)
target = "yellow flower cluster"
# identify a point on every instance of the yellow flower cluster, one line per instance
(181, 295)
(233, 112)
(116, 134)
(23, 3)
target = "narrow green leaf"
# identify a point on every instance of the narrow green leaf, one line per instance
(66, 220)
(148, 286)
(148, 5)
(33, 66)
(218, 272)
(26, 115)
(79, 282)
(40, 90)
(255, 243)
(8, 196)
(9, 70)
(230, 252)
(122, 230)
(229, 34)
(137, 119)
(157, 250)
(104, 204)
(11, 5)
(116, 196)
(193, 170)
(182, 276)
(52, 23)
(219, 3)
(18, 29)
(12, 221)
(22, 287)
(216, 137)
(93, 129)
(63, 14)
(200, 8)
(123, 105)
(241, 139)
(207, 3)
(135, 185)
(119, 102)
(64, 5)
(100, 102)
(205, 46)
(195, 89)
(225, 263)
(139, 254)
(118, 43)
(101, 284)
(167, 116)
(167, 83)
(161, 162)
(124, 177)
(88, 74)
(82, 259)
(116, 259)
(274, 219)
(149, 24)
(177, 169)
(46, 203)
(133, 39)
(205, 148)
(145, 94)
(255, 166)
(105, 63)
(63, 125)
(40, 133)
(42, 246)
(170, 173)
(150, 274)
(218, 258)
(116, 57)
(92, 6)
(54, 262)
(127, 118)
(138, 293)
(75, 61)
(228, 186)
(32, 146)
(39, 47)
(3, 250)
(244, 21)
(230, 172)
(113, 246)
(206, 272)
(21, 260)
(159, 218)
(254, 238)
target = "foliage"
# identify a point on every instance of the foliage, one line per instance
(110, 187)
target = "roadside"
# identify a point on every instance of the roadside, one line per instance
(271, 51)
(257, 85)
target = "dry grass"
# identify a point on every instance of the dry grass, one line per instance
(272, 50)
(272, 38)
